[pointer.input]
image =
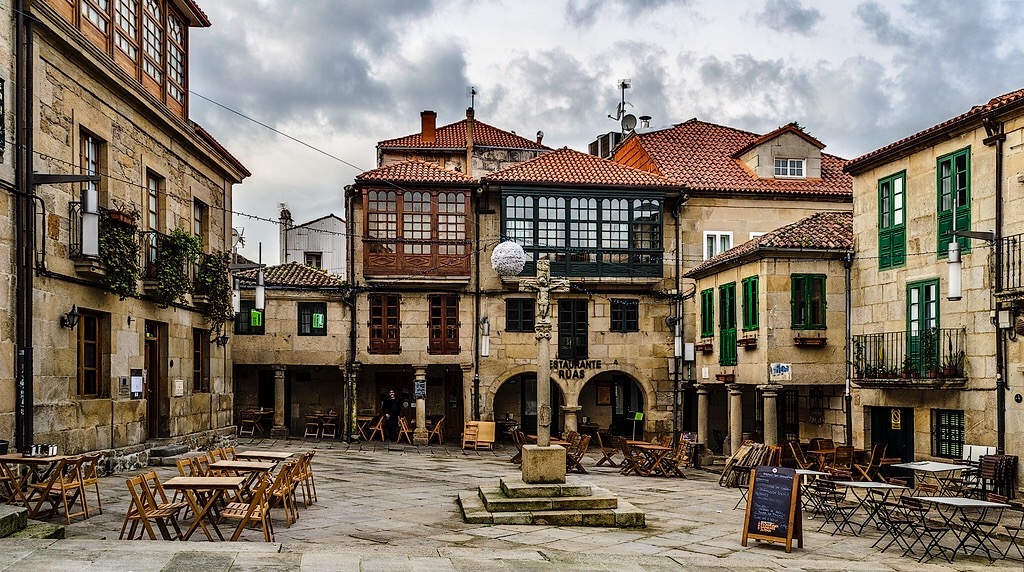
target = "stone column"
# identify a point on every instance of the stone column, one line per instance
(352, 405)
(280, 430)
(419, 435)
(702, 414)
(771, 425)
(735, 417)
(468, 414)
(569, 412)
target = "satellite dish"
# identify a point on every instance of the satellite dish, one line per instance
(628, 122)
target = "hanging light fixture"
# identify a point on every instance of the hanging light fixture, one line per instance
(236, 296)
(485, 337)
(261, 291)
(954, 292)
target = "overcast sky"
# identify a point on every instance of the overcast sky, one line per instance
(340, 75)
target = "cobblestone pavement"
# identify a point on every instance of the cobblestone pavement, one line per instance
(393, 508)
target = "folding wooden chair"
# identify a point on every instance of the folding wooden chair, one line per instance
(282, 491)
(437, 432)
(303, 477)
(574, 455)
(404, 431)
(257, 510)
(8, 484)
(869, 472)
(469, 435)
(607, 453)
(146, 510)
(62, 488)
(91, 477)
(798, 456)
(679, 459)
(378, 429)
(248, 425)
(518, 439)
(312, 427)
(329, 427)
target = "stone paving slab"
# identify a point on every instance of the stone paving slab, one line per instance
(386, 507)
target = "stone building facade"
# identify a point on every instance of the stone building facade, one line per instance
(778, 299)
(928, 367)
(104, 103)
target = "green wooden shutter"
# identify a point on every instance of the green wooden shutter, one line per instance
(727, 324)
(707, 316)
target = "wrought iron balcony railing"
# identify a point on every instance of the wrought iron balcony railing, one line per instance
(1011, 263)
(929, 354)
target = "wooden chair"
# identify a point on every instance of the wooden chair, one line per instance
(798, 455)
(869, 472)
(145, 509)
(91, 477)
(678, 460)
(7, 485)
(229, 453)
(843, 458)
(303, 476)
(248, 425)
(282, 492)
(201, 466)
(403, 431)
(329, 428)
(607, 453)
(518, 439)
(312, 427)
(574, 455)
(62, 488)
(469, 434)
(377, 429)
(257, 510)
(437, 432)
(632, 461)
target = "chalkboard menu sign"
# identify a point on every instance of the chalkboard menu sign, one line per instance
(773, 507)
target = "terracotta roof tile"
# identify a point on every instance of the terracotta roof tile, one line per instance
(453, 136)
(568, 167)
(999, 103)
(699, 155)
(414, 171)
(292, 275)
(829, 230)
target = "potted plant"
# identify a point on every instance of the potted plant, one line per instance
(909, 367)
(953, 364)
(212, 280)
(119, 251)
(929, 341)
(177, 254)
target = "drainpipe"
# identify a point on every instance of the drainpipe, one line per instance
(349, 298)
(25, 230)
(996, 137)
(847, 396)
(476, 305)
(677, 388)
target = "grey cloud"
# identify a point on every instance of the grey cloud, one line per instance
(790, 16)
(878, 23)
(585, 13)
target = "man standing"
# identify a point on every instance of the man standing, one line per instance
(391, 407)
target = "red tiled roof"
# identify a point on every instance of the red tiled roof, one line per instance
(790, 128)
(1005, 102)
(198, 17)
(453, 136)
(568, 167)
(699, 155)
(829, 230)
(414, 171)
(291, 275)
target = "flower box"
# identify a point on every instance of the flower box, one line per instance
(805, 341)
(704, 347)
(748, 343)
(725, 377)
(121, 217)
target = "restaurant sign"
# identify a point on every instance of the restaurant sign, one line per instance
(573, 368)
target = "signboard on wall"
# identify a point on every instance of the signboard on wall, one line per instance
(136, 384)
(780, 372)
(420, 389)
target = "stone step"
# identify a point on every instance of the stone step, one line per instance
(495, 500)
(12, 519)
(515, 487)
(624, 516)
(39, 530)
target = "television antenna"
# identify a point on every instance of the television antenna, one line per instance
(620, 110)
(471, 94)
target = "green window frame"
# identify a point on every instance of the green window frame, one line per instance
(312, 319)
(953, 182)
(727, 324)
(892, 221)
(750, 303)
(519, 314)
(625, 315)
(707, 313)
(808, 302)
(948, 425)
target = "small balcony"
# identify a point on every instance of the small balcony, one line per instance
(152, 244)
(1011, 267)
(933, 358)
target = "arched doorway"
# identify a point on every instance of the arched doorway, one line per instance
(516, 400)
(611, 401)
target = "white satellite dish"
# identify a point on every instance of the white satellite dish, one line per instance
(628, 122)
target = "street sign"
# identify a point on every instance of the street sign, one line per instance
(780, 372)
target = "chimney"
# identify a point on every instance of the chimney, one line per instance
(428, 126)
(540, 137)
(645, 121)
(470, 114)
(284, 224)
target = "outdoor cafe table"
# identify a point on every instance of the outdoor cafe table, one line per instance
(264, 455)
(860, 492)
(822, 456)
(206, 491)
(654, 454)
(36, 469)
(252, 468)
(951, 507)
(930, 469)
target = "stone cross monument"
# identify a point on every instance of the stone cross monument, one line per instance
(544, 285)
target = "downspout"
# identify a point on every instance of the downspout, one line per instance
(25, 231)
(677, 405)
(996, 136)
(847, 396)
(349, 299)
(476, 305)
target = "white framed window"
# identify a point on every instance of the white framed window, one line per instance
(789, 168)
(716, 242)
(754, 235)
(314, 259)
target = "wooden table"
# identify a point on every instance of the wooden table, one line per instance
(251, 469)
(36, 469)
(363, 423)
(205, 491)
(822, 456)
(264, 455)
(655, 454)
